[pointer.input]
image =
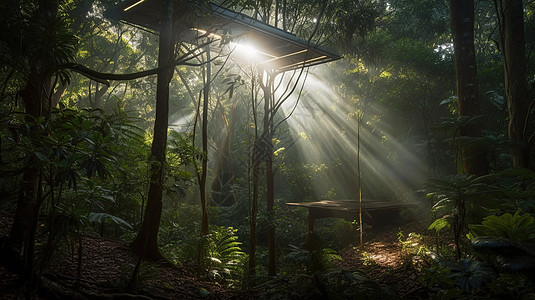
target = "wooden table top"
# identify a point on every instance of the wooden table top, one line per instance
(352, 205)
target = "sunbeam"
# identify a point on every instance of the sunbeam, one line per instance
(181, 122)
(325, 125)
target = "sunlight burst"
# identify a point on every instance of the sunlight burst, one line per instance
(391, 171)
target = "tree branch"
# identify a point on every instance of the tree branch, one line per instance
(104, 78)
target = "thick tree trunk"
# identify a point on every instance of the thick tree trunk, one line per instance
(36, 97)
(515, 80)
(36, 100)
(146, 241)
(462, 29)
(26, 212)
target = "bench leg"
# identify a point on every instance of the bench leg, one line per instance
(310, 222)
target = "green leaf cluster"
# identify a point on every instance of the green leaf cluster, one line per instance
(518, 227)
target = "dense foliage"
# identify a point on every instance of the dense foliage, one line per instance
(75, 150)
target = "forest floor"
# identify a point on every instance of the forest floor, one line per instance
(393, 257)
(107, 268)
(105, 273)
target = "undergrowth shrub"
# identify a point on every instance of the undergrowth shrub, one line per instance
(338, 284)
(311, 261)
(337, 233)
(223, 259)
(226, 260)
(498, 260)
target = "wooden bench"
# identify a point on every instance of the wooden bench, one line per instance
(347, 209)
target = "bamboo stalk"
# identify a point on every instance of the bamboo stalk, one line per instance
(361, 229)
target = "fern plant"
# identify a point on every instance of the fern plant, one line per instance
(225, 259)
(312, 255)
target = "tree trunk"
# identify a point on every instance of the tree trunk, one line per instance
(255, 160)
(36, 97)
(146, 241)
(515, 80)
(462, 29)
(26, 212)
(270, 201)
(267, 147)
(36, 101)
(254, 210)
(204, 169)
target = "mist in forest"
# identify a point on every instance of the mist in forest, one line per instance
(317, 130)
(325, 130)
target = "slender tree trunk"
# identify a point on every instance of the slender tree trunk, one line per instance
(255, 160)
(277, 13)
(284, 15)
(254, 210)
(204, 168)
(146, 241)
(515, 80)
(462, 29)
(359, 191)
(267, 147)
(270, 201)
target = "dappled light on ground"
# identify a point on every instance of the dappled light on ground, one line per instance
(384, 259)
(384, 254)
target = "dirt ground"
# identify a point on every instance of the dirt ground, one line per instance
(391, 260)
(106, 270)
(107, 266)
